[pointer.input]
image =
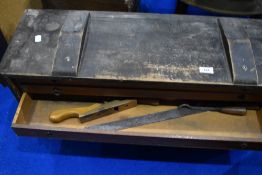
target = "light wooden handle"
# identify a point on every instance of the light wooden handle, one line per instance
(63, 114)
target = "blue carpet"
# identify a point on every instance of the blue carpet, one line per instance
(160, 6)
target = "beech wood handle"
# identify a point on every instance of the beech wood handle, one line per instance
(63, 114)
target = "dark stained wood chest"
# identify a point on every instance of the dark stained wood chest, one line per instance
(61, 58)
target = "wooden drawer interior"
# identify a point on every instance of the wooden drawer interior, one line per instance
(208, 129)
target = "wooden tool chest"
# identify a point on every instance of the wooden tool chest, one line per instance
(60, 59)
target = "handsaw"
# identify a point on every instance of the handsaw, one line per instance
(180, 111)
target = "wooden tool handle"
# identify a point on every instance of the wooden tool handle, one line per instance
(63, 114)
(234, 110)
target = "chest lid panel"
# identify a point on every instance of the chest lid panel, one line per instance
(135, 47)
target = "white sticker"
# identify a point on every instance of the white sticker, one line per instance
(206, 70)
(38, 38)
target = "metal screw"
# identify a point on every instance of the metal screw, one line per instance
(49, 133)
(244, 67)
(241, 96)
(56, 92)
(130, 4)
(243, 145)
(67, 59)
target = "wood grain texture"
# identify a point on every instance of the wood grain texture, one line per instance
(208, 129)
(22, 111)
(154, 49)
(63, 114)
(146, 51)
(32, 57)
(240, 51)
(159, 94)
(134, 47)
(70, 44)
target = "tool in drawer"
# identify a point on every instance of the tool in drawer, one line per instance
(92, 112)
(181, 111)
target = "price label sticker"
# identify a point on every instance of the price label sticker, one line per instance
(206, 70)
(38, 38)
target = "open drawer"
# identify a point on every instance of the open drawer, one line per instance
(203, 130)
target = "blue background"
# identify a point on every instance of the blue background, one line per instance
(25, 155)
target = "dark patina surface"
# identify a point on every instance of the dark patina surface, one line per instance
(58, 55)
(124, 50)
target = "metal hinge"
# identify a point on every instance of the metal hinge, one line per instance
(132, 5)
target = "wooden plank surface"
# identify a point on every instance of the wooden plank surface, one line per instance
(149, 51)
(167, 48)
(70, 45)
(25, 55)
(134, 47)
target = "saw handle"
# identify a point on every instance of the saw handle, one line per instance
(234, 110)
(63, 114)
(226, 110)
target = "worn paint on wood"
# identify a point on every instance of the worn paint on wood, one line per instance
(132, 47)
(158, 49)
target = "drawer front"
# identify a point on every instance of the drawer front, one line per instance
(202, 130)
